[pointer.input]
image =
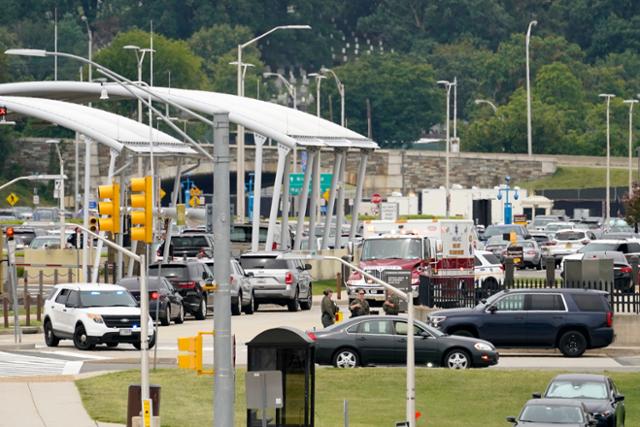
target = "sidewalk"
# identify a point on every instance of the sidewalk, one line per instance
(41, 403)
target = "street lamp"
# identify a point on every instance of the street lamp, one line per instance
(318, 78)
(607, 202)
(448, 85)
(240, 136)
(139, 60)
(90, 34)
(527, 39)
(56, 143)
(508, 207)
(291, 89)
(630, 102)
(408, 296)
(489, 103)
(340, 86)
(244, 65)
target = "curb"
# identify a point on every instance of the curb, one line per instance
(27, 330)
(17, 346)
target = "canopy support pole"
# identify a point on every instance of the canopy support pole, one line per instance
(304, 198)
(362, 169)
(283, 151)
(332, 198)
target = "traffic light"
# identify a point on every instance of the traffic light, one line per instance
(142, 218)
(192, 360)
(94, 225)
(9, 233)
(109, 208)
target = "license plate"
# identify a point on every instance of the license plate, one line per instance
(568, 245)
(516, 260)
(125, 332)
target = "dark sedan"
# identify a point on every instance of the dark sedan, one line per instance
(369, 340)
(553, 413)
(598, 393)
(163, 298)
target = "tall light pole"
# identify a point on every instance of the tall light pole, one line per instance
(455, 109)
(340, 86)
(291, 89)
(448, 86)
(139, 61)
(90, 35)
(240, 136)
(318, 78)
(527, 39)
(56, 143)
(607, 202)
(489, 103)
(630, 102)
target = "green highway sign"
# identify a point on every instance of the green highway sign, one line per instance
(297, 179)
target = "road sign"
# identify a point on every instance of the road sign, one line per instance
(376, 198)
(92, 204)
(389, 211)
(297, 179)
(36, 200)
(162, 193)
(12, 199)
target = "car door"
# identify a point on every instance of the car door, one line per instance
(68, 315)
(546, 313)
(619, 406)
(425, 345)
(376, 341)
(57, 306)
(503, 323)
(304, 278)
(174, 301)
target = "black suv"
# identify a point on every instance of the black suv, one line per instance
(571, 320)
(194, 282)
(188, 245)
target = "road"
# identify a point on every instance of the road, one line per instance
(65, 359)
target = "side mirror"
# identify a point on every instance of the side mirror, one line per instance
(618, 398)
(492, 309)
(536, 395)
(307, 267)
(512, 419)
(425, 335)
(248, 274)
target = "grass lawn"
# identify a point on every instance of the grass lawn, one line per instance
(445, 398)
(321, 285)
(579, 177)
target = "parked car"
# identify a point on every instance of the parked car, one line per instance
(241, 238)
(187, 246)
(540, 221)
(572, 320)
(567, 242)
(24, 235)
(553, 412)
(505, 229)
(622, 271)
(628, 248)
(553, 227)
(598, 393)
(194, 282)
(367, 340)
(278, 281)
(45, 242)
(241, 287)
(540, 237)
(163, 298)
(488, 271)
(531, 253)
(91, 314)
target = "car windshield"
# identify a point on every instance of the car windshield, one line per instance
(391, 249)
(42, 242)
(189, 242)
(570, 235)
(541, 222)
(598, 247)
(557, 226)
(497, 240)
(242, 234)
(169, 271)
(552, 414)
(494, 230)
(266, 263)
(617, 257)
(577, 390)
(106, 299)
(491, 258)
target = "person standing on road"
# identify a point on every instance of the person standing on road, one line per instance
(328, 308)
(391, 305)
(360, 306)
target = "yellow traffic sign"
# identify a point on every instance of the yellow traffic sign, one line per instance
(12, 199)
(162, 193)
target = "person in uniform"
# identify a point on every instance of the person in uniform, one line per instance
(391, 305)
(360, 306)
(328, 308)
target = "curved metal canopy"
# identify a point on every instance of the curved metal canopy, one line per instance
(114, 131)
(283, 124)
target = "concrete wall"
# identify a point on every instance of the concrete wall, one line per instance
(627, 328)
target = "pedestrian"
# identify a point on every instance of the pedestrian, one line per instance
(328, 308)
(391, 305)
(359, 306)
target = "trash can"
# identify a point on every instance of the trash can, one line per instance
(134, 403)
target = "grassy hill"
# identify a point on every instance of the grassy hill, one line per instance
(579, 177)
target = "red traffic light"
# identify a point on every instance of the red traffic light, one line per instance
(3, 111)
(9, 232)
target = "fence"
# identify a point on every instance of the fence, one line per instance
(455, 293)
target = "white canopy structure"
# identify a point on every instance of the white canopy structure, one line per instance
(289, 127)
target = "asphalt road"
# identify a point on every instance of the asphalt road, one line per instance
(65, 359)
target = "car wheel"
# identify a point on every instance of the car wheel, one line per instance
(294, 304)
(112, 344)
(346, 358)
(49, 337)
(490, 284)
(572, 344)
(463, 333)
(308, 302)
(81, 339)
(180, 319)
(457, 359)
(539, 265)
(201, 314)
(250, 307)
(236, 308)
(166, 320)
(152, 342)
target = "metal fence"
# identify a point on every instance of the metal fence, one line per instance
(455, 293)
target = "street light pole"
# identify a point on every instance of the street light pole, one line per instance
(607, 202)
(291, 89)
(527, 39)
(240, 216)
(340, 86)
(63, 240)
(90, 34)
(448, 85)
(318, 78)
(489, 103)
(630, 102)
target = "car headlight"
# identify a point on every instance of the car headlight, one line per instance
(95, 317)
(437, 320)
(480, 346)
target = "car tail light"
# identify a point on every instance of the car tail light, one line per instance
(626, 269)
(531, 252)
(501, 267)
(288, 278)
(231, 279)
(153, 295)
(312, 336)
(550, 243)
(609, 319)
(187, 285)
(274, 246)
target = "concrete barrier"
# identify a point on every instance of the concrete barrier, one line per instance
(627, 328)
